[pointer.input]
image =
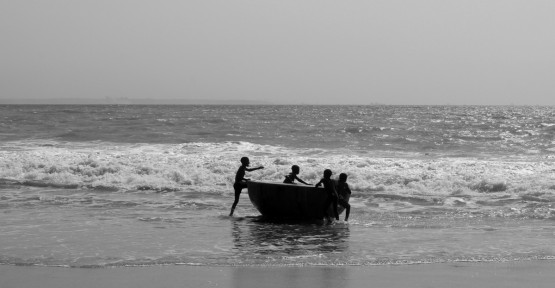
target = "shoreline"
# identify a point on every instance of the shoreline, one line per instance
(536, 273)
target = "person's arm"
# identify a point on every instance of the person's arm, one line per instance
(253, 169)
(301, 180)
(245, 179)
(347, 188)
(318, 184)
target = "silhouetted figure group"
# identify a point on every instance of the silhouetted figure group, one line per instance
(338, 192)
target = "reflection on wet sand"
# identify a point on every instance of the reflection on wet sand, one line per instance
(255, 277)
(282, 243)
(271, 244)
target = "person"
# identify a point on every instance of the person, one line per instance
(241, 181)
(329, 187)
(290, 179)
(343, 192)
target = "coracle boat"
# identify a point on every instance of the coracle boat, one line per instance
(282, 201)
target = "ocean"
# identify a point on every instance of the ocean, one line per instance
(124, 185)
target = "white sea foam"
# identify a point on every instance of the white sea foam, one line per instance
(210, 167)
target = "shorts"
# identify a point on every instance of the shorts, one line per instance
(238, 186)
(341, 201)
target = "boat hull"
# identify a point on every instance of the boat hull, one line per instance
(289, 201)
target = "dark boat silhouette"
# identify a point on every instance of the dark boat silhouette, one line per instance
(282, 201)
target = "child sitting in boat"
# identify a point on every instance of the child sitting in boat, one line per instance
(329, 187)
(241, 181)
(290, 179)
(344, 193)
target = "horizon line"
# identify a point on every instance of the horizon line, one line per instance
(176, 101)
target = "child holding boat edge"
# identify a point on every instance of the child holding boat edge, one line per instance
(241, 181)
(343, 191)
(290, 179)
(329, 187)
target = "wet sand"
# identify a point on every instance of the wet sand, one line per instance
(509, 274)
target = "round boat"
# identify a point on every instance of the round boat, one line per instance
(289, 201)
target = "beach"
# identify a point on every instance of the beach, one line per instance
(495, 275)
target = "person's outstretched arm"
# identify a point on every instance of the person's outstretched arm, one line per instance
(257, 168)
(301, 180)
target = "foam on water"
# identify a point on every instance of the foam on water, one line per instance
(421, 182)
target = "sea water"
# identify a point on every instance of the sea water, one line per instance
(123, 185)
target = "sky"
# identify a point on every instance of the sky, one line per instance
(411, 52)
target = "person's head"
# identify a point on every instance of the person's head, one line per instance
(295, 169)
(245, 161)
(342, 177)
(327, 173)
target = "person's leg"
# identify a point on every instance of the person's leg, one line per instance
(347, 206)
(237, 187)
(326, 208)
(347, 211)
(334, 201)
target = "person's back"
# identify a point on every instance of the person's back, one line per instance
(290, 179)
(329, 187)
(343, 189)
(240, 175)
(344, 193)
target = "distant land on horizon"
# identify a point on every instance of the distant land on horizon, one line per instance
(176, 101)
(144, 101)
(124, 101)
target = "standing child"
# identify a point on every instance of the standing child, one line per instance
(290, 179)
(332, 194)
(241, 181)
(344, 192)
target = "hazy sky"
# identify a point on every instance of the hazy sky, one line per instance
(281, 51)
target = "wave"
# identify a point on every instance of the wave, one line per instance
(414, 179)
(107, 166)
